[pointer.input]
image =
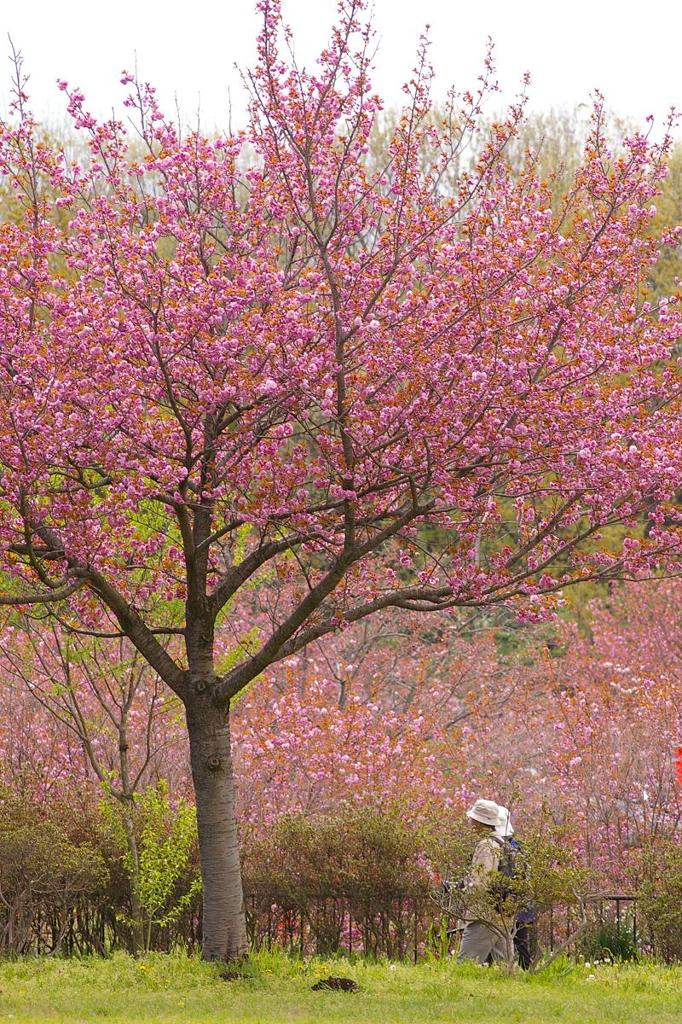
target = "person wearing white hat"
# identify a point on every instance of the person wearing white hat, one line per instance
(485, 812)
(482, 939)
(503, 828)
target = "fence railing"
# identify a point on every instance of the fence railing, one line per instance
(406, 926)
(398, 926)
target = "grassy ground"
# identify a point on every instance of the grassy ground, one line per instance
(172, 989)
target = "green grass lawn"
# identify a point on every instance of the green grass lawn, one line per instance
(176, 989)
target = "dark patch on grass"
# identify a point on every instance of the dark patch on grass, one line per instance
(232, 975)
(336, 985)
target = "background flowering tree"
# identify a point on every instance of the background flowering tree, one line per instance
(112, 708)
(414, 386)
(597, 741)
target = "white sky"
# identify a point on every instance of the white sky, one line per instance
(630, 50)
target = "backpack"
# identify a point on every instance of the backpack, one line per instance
(507, 868)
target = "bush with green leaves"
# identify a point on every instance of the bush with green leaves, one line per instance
(359, 869)
(546, 875)
(44, 879)
(660, 897)
(609, 941)
(163, 875)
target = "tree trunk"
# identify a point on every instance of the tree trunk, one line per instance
(224, 922)
(137, 922)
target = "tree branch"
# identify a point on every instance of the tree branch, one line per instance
(52, 595)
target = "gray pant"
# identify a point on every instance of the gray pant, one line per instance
(479, 941)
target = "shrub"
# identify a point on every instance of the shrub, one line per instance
(660, 897)
(158, 873)
(609, 941)
(43, 878)
(356, 870)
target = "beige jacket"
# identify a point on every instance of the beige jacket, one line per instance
(484, 864)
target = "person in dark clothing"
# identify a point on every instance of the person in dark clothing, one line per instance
(525, 917)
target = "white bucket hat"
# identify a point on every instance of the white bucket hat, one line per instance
(485, 811)
(504, 825)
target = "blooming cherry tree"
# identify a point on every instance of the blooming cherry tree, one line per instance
(408, 386)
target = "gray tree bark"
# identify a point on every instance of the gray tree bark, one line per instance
(224, 921)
